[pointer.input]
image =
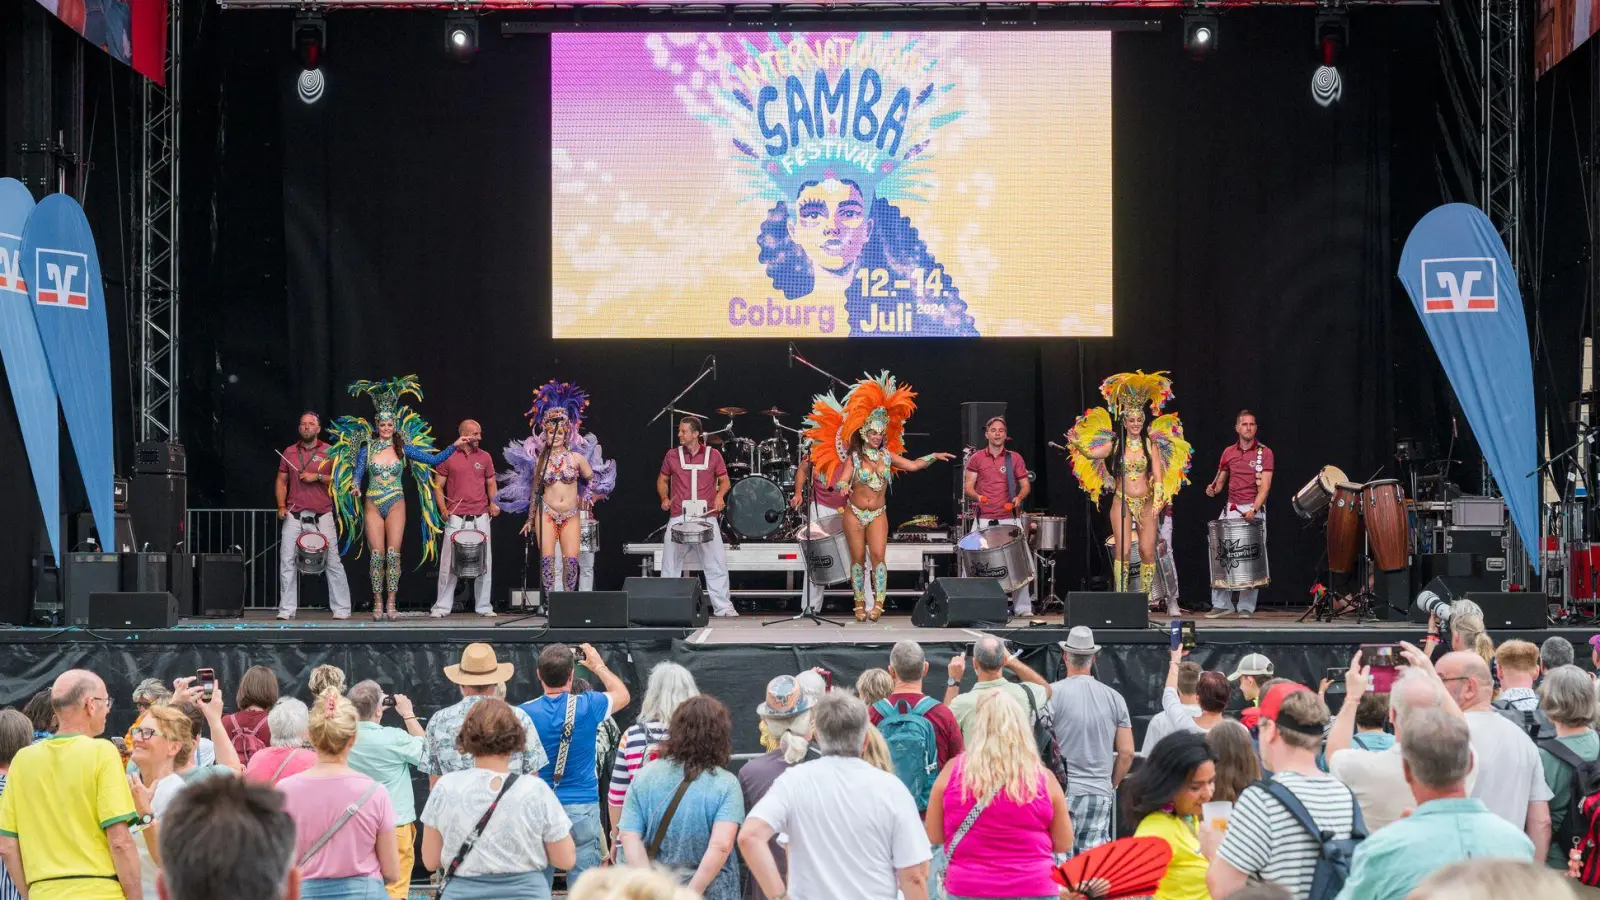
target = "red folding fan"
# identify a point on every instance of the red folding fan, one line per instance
(1131, 867)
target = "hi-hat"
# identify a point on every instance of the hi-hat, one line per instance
(773, 411)
(731, 410)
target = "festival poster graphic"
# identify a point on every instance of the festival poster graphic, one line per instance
(831, 184)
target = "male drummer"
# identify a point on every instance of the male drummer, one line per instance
(1246, 471)
(826, 502)
(464, 486)
(692, 486)
(304, 504)
(997, 480)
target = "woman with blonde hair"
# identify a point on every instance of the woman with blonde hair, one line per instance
(999, 814)
(874, 685)
(1467, 632)
(629, 883)
(163, 739)
(341, 855)
(326, 676)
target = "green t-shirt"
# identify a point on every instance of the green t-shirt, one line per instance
(1558, 776)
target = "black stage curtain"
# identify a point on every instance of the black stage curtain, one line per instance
(402, 225)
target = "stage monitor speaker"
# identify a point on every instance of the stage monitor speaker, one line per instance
(219, 585)
(961, 602)
(1512, 609)
(87, 573)
(974, 415)
(666, 602)
(158, 504)
(1108, 609)
(145, 572)
(587, 609)
(133, 609)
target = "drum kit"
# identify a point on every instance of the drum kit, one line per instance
(1374, 513)
(763, 475)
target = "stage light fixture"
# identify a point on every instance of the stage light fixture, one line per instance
(1199, 34)
(1332, 38)
(461, 36)
(310, 38)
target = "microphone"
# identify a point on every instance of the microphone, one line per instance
(713, 367)
(791, 354)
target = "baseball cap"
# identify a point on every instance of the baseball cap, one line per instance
(1252, 664)
(1272, 704)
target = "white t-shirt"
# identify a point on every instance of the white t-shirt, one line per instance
(166, 789)
(850, 827)
(528, 816)
(1510, 775)
(1378, 779)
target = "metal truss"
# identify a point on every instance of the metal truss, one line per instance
(652, 10)
(1484, 60)
(156, 276)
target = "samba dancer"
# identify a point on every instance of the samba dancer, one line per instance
(401, 440)
(464, 485)
(1150, 467)
(997, 480)
(304, 505)
(1246, 471)
(689, 471)
(858, 447)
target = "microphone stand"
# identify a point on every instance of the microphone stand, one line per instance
(814, 616)
(704, 371)
(816, 368)
(535, 508)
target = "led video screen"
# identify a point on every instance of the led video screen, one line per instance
(831, 184)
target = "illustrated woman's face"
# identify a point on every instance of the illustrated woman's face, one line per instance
(831, 224)
(385, 428)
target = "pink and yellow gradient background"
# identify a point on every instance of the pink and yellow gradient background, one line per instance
(652, 237)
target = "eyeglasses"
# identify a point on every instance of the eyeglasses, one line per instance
(1457, 678)
(142, 704)
(143, 734)
(105, 700)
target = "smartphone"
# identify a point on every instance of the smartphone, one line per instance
(1383, 660)
(388, 699)
(206, 678)
(827, 678)
(1182, 635)
(577, 653)
(1336, 675)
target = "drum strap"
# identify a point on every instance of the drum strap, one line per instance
(1011, 478)
(694, 471)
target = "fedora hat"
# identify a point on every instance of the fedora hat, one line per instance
(479, 667)
(1080, 640)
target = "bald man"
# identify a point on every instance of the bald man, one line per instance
(66, 809)
(1510, 775)
(464, 486)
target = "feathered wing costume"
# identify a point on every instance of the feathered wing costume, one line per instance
(353, 440)
(1094, 439)
(554, 400)
(875, 404)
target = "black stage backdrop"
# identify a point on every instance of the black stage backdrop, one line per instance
(402, 225)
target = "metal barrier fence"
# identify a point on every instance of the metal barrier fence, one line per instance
(250, 532)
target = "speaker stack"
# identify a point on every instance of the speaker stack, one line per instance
(961, 603)
(666, 602)
(157, 497)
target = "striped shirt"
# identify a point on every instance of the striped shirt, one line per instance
(632, 754)
(1265, 841)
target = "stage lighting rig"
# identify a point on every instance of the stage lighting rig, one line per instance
(310, 38)
(1332, 37)
(461, 36)
(1199, 34)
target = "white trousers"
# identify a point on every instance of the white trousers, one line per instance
(1022, 597)
(289, 576)
(1221, 599)
(585, 570)
(811, 599)
(481, 586)
(712, 557)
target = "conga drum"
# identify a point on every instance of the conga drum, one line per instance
(1344, 527)
(1388, 534)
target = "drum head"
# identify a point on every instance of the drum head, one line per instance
(820, 529)
(991, 538)
(312, 542)
(1381, 482)
(756, 507)
(1331, 477)
(467, 538)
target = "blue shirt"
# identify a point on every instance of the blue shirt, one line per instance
(713, 797)
(1390, 863)
(579, 783)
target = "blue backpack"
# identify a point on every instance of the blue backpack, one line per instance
(913, 745)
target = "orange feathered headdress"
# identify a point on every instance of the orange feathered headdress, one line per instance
(875, 401)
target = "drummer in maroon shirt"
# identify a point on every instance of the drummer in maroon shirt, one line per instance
(1246, 472)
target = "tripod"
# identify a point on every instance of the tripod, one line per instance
(1047, 559)
(814, 616)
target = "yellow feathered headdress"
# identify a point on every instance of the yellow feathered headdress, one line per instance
(1129, 391)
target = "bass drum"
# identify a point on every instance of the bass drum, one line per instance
(1344, 527)
(756, 507)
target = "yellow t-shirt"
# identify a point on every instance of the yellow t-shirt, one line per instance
(1186, 876)
(61, 795)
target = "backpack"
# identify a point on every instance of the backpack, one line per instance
(1333, 863)
(1533, 722)
(247, 742)
(1581, 827)
(913, 745)
(1044, 737)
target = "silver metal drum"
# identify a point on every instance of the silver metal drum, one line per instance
(826, 552)
(1047, 532)
(311, 553)
(467, 553)
(588, 533)
(691, 532)
(1239, 554)
(999, 552)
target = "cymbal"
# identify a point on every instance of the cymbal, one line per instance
(731, 410)
(773, 411)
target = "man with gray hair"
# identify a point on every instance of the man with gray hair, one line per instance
(1555, 652)
(909, 666)
(990, 660)
(1568, 700)
(226, 838)
(1446, 826)
(1095, 733)
(853, 829)
(387, 756)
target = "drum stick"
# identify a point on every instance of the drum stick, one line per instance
(286, 462)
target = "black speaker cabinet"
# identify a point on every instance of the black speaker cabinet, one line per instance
(180, 581)
(1108, 609)
(961, 602)
(145, 572)
(1512, 609)
(974, 415)
(124, 541)
(87, 573)
(666, 602)
(219, 585)
(133, 609)
(587, 609)
(158, 504)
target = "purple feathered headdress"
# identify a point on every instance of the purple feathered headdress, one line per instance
(561, 397)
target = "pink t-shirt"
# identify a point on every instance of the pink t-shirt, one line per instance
(316, 802)
(466, 485)
(705, 479)
(263, 767)
(826, 495)
(302, 496)
(991, 481)
(1241, 466)
(1008, 851)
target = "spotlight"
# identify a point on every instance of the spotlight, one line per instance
(1332, 36)
(1326, 86)
(311, 85)
(461, 36)
(1199, 34)
(310, 38)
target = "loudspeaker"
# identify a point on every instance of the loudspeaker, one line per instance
(974, 415)
(124, 541)
(219, 585)
(87, 573)
(158, 504)
(960, 602)
(587, 609)
(159, 458)
(1108, 609)
(666, 601)
(1512, 609)
(133, 609)
(180, 581)
(1473, 569)
(144, 572)
(1392, 591)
